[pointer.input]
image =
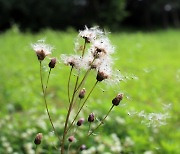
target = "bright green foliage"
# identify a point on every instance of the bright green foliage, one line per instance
(151, 59)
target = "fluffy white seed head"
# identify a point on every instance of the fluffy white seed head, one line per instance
(101, 47)
(73, 60)
(90, 34)
(42, 50)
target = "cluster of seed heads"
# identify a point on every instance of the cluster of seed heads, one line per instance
(98, 58)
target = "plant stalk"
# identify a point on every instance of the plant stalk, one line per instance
(82, 106)
(45, 102)
(69, 79)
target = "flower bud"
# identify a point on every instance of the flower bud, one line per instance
(71, 139)
(41, 55)
(52, 63)
(91, 117)
(82, 93)
(80, 122)
(117, 99)
(82, 147)
(38, 139)
(101, 76)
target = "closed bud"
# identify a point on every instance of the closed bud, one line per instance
(91, 117)
(71, 139)
(82, 147)
(80, 122)
(38, 138)
(117, 99)
(52, 63)
(82, 93)
(101, 76)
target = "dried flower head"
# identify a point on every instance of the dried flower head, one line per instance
(42, 50)
(91, 117)
(80, 122)
(71, 139)
(38, 138)
(101, 47)
(73, 60)
(117, 99)
(90, 34)
(82, 93)
(101, 76)
(82, 147)
(52, 63)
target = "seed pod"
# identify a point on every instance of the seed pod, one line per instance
(41, 55)
(71, 139)
(91, 117)
(38, 139)
(80, 122)
(82, 147)
(101, 76)
(117, 99)
(52, 63)
(82, 93)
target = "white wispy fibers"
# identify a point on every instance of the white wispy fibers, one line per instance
(42, 49)
(75, 61)
(41, 45)
(151, 119)
(101, 47)
(91, 34)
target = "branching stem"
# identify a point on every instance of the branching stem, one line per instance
(69, 80)
(82, 106)
(45, 102)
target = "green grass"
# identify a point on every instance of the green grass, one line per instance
(152, 59)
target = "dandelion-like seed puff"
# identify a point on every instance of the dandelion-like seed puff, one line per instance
(41, 49)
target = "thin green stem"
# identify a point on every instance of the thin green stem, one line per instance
(70, 106)
(66, 123)
(47, 81)
(44, 97)
(36, 149)
(69, 79)
(89, 128)
(84, 47)
(102, 121)
(69, 146)
(82, 106)
(79, 103)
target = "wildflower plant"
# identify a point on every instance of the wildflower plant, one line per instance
(93, 55)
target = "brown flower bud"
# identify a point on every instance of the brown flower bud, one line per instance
(52, 63)
(91, 117)
(71, 139)
(80, 122)
(41, 55)
(117, 99)
(82, 147)
(38, 138)
(101, 76)
(82, 93)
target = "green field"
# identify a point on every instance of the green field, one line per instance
(150, 66)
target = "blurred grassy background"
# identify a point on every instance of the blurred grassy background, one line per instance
(151, 67)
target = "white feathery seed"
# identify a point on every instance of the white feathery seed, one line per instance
(91, 34)
(101, 47)
(42, 46)
(73, 60)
